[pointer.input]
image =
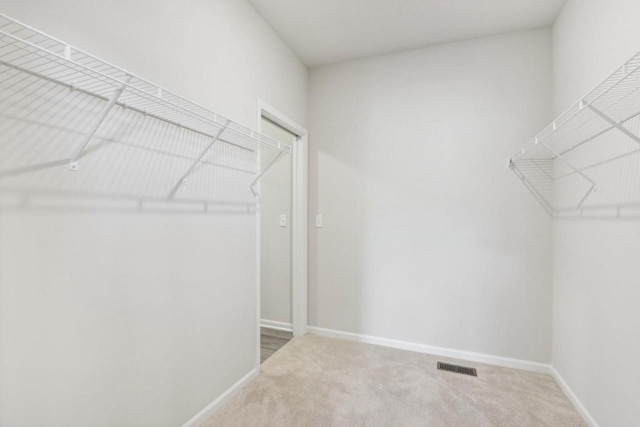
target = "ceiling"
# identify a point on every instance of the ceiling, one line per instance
(322, 32)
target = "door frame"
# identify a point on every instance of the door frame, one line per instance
(300, 153)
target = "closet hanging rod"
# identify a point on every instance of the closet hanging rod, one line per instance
(60, 54)
(26, 194)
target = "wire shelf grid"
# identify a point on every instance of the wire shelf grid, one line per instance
(588, 158)
(62, 107)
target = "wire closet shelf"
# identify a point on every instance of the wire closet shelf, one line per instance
(587, 161)
(75, 125)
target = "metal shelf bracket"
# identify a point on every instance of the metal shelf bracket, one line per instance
(615, 124)
(73, 164)
(558, 156)
(183, 178)
(255, 181)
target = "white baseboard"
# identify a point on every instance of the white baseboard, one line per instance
(272, 324)
(201, 416)
(437, 351)
(573, 398)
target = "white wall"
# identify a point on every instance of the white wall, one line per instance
(275, 241)
(140, 319)
(427, 236)
(596, 286)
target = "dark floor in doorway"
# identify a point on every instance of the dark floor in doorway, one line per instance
(271, 340)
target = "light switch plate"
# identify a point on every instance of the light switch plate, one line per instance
(283, 220)
(318, 221)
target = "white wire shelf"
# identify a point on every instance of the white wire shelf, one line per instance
(587, 161)
(75, 124)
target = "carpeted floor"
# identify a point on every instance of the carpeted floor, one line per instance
(316, 381)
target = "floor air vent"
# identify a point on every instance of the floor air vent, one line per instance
(457, 369)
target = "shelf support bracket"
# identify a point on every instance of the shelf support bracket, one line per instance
(591, 189)
(613, 123)
(195, 163)
(73, 164)
(252, 187)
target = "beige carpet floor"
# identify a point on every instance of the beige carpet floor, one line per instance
(316, 381)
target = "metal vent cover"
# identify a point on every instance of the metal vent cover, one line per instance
(457, 369)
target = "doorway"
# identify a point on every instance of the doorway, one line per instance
(282, 235)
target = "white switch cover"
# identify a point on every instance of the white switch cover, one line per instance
(283, 220)
(318, 221)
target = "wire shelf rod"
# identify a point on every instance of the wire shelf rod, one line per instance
(115, 197)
